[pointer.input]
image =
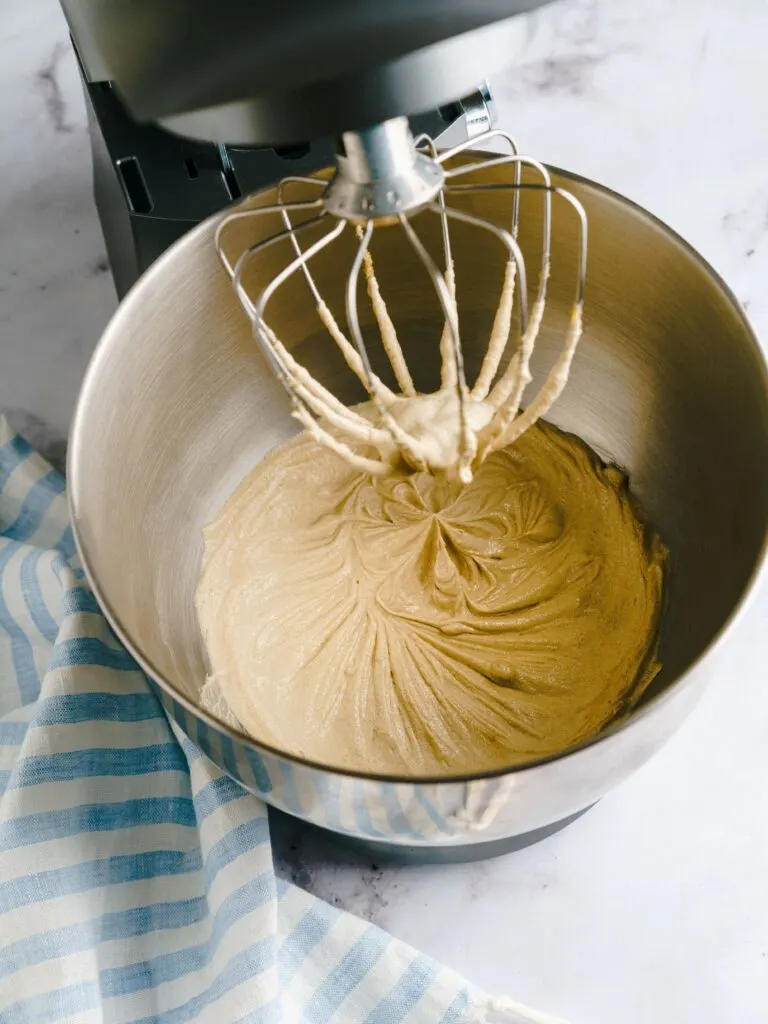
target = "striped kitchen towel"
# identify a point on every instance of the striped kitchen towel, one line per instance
(136, 880)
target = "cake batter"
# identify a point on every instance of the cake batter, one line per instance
(406, 624)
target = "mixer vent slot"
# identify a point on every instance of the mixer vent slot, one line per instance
(134, 186)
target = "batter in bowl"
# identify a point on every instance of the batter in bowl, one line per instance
(407, 624)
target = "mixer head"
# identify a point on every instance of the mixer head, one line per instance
(287, 71)
(385, 180)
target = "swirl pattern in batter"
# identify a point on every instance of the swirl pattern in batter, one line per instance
(409, 625)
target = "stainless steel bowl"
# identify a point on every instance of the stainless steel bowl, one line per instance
(178, 405)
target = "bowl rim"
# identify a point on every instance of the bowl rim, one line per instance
(78, 440)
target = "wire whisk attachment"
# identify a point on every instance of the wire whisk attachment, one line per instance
(383, 179)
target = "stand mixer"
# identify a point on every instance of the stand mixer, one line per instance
(641, 394)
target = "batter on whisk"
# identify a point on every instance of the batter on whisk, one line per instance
(406, 624)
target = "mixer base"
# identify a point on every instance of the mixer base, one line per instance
(371, 849)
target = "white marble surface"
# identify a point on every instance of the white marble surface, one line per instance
(653, 908)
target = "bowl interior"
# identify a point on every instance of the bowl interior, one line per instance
(178, 404)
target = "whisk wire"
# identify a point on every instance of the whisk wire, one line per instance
(407, 445)
(266, 243)
(447, 360)
(389, 340)
(326, 317)
(296, 179)
(506, 396)
(466, 447)
(510, 383)
(309, 204)
(472, 143)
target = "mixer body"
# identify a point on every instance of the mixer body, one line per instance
(669, 383)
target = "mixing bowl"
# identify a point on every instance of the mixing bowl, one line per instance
(178, 405)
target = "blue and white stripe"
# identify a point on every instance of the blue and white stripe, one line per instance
(136, 880)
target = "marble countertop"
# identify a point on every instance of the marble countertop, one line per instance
(652, 908)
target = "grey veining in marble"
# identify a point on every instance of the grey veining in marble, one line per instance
(56, 294)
